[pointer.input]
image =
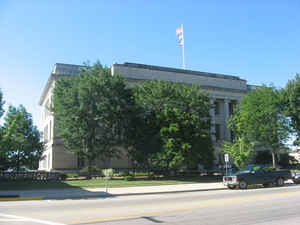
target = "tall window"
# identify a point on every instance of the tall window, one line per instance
(231, 108)
(218, 132)
(217, 108)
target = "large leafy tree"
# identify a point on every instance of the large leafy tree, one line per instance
(21, 139)
(1, 104)
(3, 161)
(291, 102)
(92, 112)
(260, 119)
(179, 115)
(240, 150)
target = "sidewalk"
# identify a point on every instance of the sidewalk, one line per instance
(82, 193)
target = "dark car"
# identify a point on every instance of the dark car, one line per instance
(257, 174)
(22, 169)
(296, 177)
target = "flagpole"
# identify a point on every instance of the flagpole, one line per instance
(183, 59)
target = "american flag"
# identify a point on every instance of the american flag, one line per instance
(179, 33)
(179, 30)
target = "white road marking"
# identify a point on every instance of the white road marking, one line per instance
(20, 218)
(12, 220)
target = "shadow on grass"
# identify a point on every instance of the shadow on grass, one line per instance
(82, 188)
(195, 179)
(58, 190)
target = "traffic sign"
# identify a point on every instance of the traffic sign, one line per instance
(226, 156)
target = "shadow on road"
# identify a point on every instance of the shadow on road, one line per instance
(54, 189)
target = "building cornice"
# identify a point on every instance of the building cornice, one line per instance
(175, 70)
(206, 87)
(47, 87)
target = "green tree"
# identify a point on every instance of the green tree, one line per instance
(145, 139)
(260, 118)
(92, 113)
(241, 151)
(181, 123)
(21, 139)
(3, 161)
(1, 104)
(291, 103)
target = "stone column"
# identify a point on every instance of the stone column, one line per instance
(226, 117)
(213, 121)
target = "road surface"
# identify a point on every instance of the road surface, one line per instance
(257, 206)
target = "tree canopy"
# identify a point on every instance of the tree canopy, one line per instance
(1, 104)
(260, 119)
(92, 112)
(291, 103)
(21, 139)
(177, 122)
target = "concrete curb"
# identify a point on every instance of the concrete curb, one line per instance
(3, 199)
(130, 194)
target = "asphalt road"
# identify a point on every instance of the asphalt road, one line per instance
(259, 206)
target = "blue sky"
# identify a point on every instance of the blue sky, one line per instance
(256, 40)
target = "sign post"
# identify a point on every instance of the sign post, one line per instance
(226, 158)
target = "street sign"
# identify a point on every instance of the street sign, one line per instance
(226, 158)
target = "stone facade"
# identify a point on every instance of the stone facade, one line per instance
(225, 91)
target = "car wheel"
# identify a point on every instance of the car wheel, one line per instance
(243, 184)
(231, 187)
(280, 182)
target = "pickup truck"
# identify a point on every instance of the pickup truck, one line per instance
(257, 174)
(296, 177)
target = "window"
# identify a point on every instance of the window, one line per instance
(217, 108)
(218, 132)
(231, 108)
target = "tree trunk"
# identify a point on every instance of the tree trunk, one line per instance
(18, 162)
(90, 163)
(273, 159)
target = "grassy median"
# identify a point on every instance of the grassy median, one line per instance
(100, 183)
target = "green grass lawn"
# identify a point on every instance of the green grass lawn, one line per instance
(99, 183)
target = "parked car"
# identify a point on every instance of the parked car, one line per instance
(21, 169)
(296, 177)
(257, 174)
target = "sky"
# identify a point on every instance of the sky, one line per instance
(255, 40)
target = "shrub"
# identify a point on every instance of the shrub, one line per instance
(129, 178)
(62, 176)
(110, 172)
(143, 174)
(94, 169)
(269, 168)
(72, 175)
(256, 168)
(123, 173)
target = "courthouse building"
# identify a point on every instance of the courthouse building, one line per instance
(225, 92)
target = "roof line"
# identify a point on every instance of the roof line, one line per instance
(170, 69)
